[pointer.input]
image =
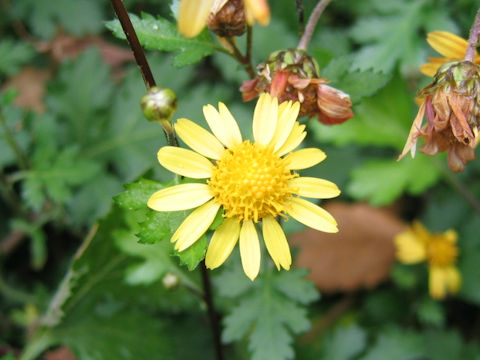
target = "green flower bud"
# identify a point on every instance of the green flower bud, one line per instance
(159, 104)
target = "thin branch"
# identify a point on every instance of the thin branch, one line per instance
(312, 23)
(301, 17)
(473, 38)
(241, 59)
(134, 43)
(248, 56)
(22, 159)
(212, 314)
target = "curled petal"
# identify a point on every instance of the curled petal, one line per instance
(180, 197)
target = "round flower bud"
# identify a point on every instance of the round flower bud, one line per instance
(159, 104)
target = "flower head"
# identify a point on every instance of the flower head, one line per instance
(225, 17)
(249, 182)
(451, 105)
(293, 75)
(451, 46)
(440, 251)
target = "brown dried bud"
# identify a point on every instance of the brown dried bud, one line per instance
(227, 18)
(451, 105)
(293, 75)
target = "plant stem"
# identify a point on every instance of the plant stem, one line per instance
(212, 314)
(22, 159)
(301, 17)
(244, 60)
(134, 43)
(473, 38)
(312, 22)
(249, 44)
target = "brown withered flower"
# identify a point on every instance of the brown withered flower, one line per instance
(227, 18)
(451, 105)
(293, 75)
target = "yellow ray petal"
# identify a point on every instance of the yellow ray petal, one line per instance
(304, 158)
(287, 115)
(265, 119)
(250, 249)
(454, 279)
(180, 197)
(222, 243)
(192, 16)
(257, 10)
(311, 215)
(199, 139)
(410, 248)
(315, 188)
(294, 139)
(230, 123)
(276, 243)
(222, 126)
(185, 162)
(195, 225)
(448, 44)
(437, 282)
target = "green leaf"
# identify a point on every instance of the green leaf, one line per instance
(335, 348)
(382, 181)
(448, 344)
(389, 38)
(38, 241)
(13, 55)
(431, 312)
(192, 256)
(77, 17)
(136, 194)
(270, 312)
(383, 119)
(94, 311)
(396, 344)
(53, 175)
(358, 83)
(161, 34)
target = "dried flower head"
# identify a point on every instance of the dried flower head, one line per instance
(293, 75)
(224, 17)
(451, 105)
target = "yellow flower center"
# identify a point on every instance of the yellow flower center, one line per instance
(441, 252)
(251, 182)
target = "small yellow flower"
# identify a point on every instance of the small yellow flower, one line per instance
(440, 251)
(193, 14)
(451, 46)
(250, 181)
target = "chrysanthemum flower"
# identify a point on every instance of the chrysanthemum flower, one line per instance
(417, 244)
(193, 14)
(250, 182)
(451, 46)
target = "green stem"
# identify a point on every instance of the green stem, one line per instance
(473, 38)
(14, 295)
(37, 346)
(312, 23)
(244, 60)
(22, 159)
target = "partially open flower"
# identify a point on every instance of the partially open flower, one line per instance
(451, 105)
(225, 17)
(293, 75)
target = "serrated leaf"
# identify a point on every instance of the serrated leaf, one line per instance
(192, 256)
(267, 315)
(383, 120)
(382, 181)
(295, 286)
(161, 34)
(389, 38)
(396, 344)
(335, 348)
(13, 55)
(78, 17)
(357, 83)
(136, 194)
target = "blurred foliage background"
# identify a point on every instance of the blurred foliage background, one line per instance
(85, 277)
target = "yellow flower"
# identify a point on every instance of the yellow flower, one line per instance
(250, 182)
(451, 46)
(440, 251)
(193, 14)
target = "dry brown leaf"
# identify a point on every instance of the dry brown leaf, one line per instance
(65, 46)
(358, 256)
(62, 353)
(31, 86)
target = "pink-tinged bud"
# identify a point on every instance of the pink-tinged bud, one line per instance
(293, 75)
(451, 106)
